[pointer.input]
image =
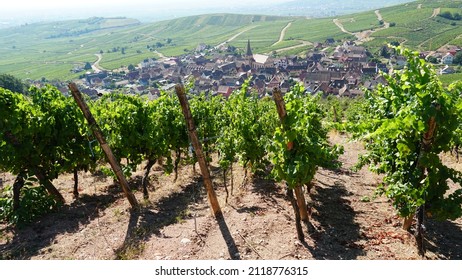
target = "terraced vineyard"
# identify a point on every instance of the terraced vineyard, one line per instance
(52, 50)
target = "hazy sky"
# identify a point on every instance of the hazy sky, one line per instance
(15, 12)
(19, 11)
(18, 5)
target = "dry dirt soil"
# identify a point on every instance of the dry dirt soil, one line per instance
(346, 221)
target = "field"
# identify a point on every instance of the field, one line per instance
(418, 25)
(447, 79)
(176, 224)
(53, 50)
(360, 22)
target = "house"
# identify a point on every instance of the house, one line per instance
(225, 91)
(317, 45)
(261, 61)
(96, 81)
(100, 75)
(447, 59)
(281, 63)
(201, 47)
(228, 68)
(275, 82)
(338, 83)
(315, 57)
(148, 62)
(399, 60)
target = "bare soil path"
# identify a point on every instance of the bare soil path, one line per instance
(363, 36)
(96, 67)
(302, 44)
(283, 33)
(340, 25)
(232, 38)
(436, 12)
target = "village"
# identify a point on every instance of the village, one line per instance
(346, 71)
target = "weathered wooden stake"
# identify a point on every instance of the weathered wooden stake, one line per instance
(281, 108)
(407, 222)
(76, 184)
(215, 206)
(107, 150)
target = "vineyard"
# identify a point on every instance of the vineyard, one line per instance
(288, 174)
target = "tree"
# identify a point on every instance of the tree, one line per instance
(131, 67)
(433, 59)
(87, 66)
(12, 83)
(446, 15)
(384, 52)
(457, 58)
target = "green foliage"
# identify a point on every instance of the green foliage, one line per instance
(206, 111)
(12, 83)
(297, 163)
(251, 122)
(458, 58)
(42, 135)
(393, 128)
(416, 28)
(35, 202)
(340, 112)
(450, 16)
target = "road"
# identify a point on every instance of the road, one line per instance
(234, 37)
(436, 12)
(283, 34)
(365, 35)
(340, 25)
(96, 67)
(303, 44)
(160, 54)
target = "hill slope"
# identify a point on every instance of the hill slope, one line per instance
(53, 50)
(176, 223)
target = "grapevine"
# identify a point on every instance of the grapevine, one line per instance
(406, 126)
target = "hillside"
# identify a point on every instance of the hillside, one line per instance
(53, 50)
(419, 26)
(176, 224)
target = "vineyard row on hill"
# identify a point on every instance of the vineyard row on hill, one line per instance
(405, 125)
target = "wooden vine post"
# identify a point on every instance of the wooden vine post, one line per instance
(107, 150)
(215, 206)
(281, 108)
(298, 204)
(426, 145)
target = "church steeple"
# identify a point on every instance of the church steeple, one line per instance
(249, 53)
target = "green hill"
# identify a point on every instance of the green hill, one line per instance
(53, 50)
(419, 25)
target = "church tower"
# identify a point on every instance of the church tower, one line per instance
(249, 53)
